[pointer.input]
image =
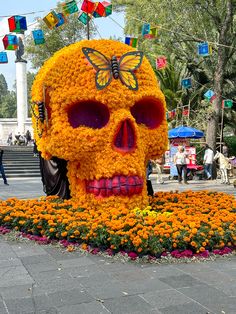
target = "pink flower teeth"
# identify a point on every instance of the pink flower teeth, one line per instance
(118, 185)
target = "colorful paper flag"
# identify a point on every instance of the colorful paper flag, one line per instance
(212, 98)
(161, 63)
(146, 29)
(10, 42)
(51, 19)
(186, 83)
(108, 8)
(209, 94)
(62, 19)
(204, 49)
(84, 18)
(172, 113)
(228, 103)
(131, 41)
(152, 33)
(69, 7)
(17, 24)
(38, 37)
(3, 57)
(88, 6)
(185, 112)
(99, 10)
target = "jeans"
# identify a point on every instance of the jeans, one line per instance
(180, 169)
(3, 174)
(208, 170)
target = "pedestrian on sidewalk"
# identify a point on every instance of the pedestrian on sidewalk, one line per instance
(9, 139)
(208, 161)
(148, 181)
(35, 149)
(28, 137)
(181, 164)
(158, 165)
(2, 168)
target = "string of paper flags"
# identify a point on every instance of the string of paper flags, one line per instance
(173, 113)
(203, 49)
(90, 9)
(17, 24)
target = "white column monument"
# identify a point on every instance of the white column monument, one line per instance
(21, 87)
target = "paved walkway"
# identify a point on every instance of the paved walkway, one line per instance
(32, 187)
(47, 280)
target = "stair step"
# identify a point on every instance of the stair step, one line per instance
(21, 169)
(30, 174)
(13, 168)
(19, 162)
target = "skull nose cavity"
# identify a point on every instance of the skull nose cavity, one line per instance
(125, 138)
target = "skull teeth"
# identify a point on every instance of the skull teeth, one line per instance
(117, 185)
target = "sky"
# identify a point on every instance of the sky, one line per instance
(105, 26)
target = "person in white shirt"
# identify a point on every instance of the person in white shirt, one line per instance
(158, 166)
(208, 161)
(181, 163)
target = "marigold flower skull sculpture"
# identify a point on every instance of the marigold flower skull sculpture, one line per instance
(105, 133)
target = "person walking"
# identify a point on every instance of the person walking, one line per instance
(2, 168)
(148, 181)
(28, 137)
(181, 164)
(158, 164)
(35, 149)
(9, 139)
(208, 161)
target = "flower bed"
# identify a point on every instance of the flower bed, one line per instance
(184, 223)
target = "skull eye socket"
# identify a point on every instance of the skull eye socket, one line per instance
(148, 111)
(89, 113)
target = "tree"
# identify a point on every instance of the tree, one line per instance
(183, 24)
(30, 79)
(55, 39)
(3, 86)
(7, 100)
(8, 105)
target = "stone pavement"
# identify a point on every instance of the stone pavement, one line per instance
(46, 280)
(32, 187)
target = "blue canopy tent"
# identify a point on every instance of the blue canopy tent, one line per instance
(185, 132)
(181, 132)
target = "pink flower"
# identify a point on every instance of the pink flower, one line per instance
(132, 255)
(176, 254)
(109, 252)
(164, 254)
(225, 250)
(186, 253)
(203, 254)
(95, 251)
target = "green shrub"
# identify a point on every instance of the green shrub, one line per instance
(231, 143)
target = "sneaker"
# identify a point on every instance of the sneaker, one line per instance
(186, 183)
(6, 183)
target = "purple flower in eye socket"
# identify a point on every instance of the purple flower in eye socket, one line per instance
(89, 113)
(148, 111)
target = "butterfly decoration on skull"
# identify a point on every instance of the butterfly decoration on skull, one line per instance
(106, 69)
